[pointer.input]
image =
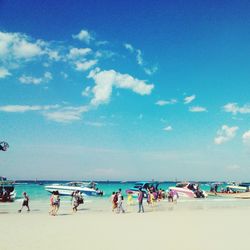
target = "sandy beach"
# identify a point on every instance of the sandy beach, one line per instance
(179, 227)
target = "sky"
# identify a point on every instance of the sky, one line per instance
(125, 90)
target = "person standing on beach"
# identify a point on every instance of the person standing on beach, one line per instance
(119, 203)
(115, 201)
(77, 199)
(25, 202)
(55, 203)
(112, 201)
(140, 201)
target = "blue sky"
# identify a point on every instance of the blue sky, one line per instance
(124, 90)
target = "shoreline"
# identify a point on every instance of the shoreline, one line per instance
(103, 205)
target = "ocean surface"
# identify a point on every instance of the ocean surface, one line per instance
(36, 190)
(39, 198)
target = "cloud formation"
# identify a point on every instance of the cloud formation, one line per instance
(76, 53)
(139, 59)
(189, 99)
(83, 36)
(4, 73)
(66, 114)
(17, 50)
(24, 79)
(26, 108)
(234, 108)
(106, 80)
(166, 102)
(246, 137)
(19, 46)
(86, 65)
(225, 134)
(197, 109)
(168, 128)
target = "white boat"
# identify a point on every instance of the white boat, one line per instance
(86, 189)
(232, 190)
(188, 190)
(7, 190)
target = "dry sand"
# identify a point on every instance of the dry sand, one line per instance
(182, 229)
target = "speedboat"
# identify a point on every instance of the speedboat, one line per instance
(240, 191)
(86, 189)
(188, 190)
(144, 186)
(7, 190)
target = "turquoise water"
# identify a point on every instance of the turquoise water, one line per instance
(38, 192)
(39, 198)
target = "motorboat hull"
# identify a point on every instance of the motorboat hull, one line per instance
(184, 192)
(67, 191)
(241, 195)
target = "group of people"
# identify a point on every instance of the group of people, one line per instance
(117, 201)
(54, 203)
(151, 195)
(76, 199)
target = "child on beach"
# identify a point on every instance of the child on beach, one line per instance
(25, 202)
(130, 199)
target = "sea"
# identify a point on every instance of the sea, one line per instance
(36, 189)
(39, 197)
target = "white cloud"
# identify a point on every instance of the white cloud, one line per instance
(48, 76)
(30, 80)
(83, 66)
(246, 137)
(86, 91)
(101, 43)
(19, 46)
(197, 109)
(225, 134)
(54, 55)
(168, 128)
(35, 80)
(75, 53)
(51, 112)
(25, 49)
(234, 108)
(83, 36)
(189, 99)
(26, 108)
(107, 79)
(67, 114)
(129, 47)
(95, 124)
(4, 73)
(151, 71)
(164, 102)
(139, 58)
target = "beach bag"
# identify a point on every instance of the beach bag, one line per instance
(80, 200)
